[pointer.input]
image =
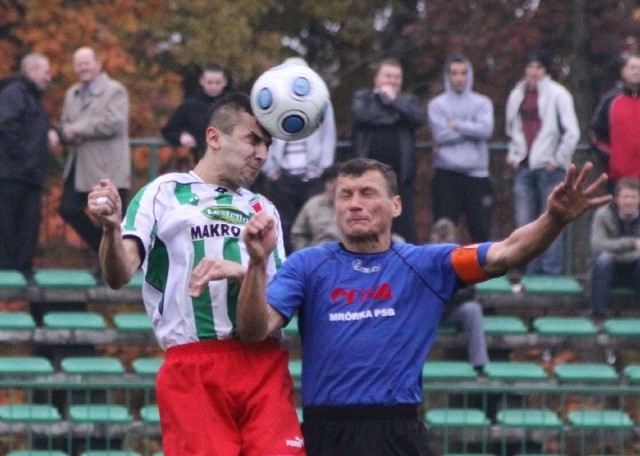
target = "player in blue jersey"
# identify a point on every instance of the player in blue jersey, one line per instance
(369, 307)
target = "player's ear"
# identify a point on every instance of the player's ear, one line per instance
(213, 136)
(396, 206)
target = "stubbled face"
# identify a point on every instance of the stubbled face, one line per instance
(458, 76)
(631, 72)
(628, 201)
(364, 208)
(243, 152)
(389, 75)
(213, 82)
(533, 73)
(86, 65)
(40, 74)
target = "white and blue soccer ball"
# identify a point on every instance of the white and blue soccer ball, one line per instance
(290, 100)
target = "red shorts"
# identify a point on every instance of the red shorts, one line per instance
(225, 398)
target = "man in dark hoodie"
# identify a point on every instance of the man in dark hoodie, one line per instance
(188, 123)
(461, 122)
(24, 141)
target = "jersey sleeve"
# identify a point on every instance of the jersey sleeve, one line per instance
(468, 260)
(139, 220)
(285, 293)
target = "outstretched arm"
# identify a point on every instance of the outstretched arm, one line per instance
(568, 201)
(256, 319)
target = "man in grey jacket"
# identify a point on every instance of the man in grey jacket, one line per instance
(461, 122)
(95, 126)
(615, 240)
(543, 130)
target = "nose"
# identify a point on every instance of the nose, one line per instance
(261, 152)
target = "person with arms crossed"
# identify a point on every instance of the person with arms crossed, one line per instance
(216, 395)
(615, 241)
(25, 138)
(384, 120)
(461, 122)
(187, 125)
(615, 123)
(543, 132)
(95, 127)
(369, 307)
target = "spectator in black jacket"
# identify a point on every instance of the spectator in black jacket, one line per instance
(25, 137)
(384, 121)
(188, 123)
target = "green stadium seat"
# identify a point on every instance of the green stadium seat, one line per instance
(515, 371)
(600, 419)
(295, 367)
(147, 366)
(292, 328)
(74, 320)
(632, 373)
(586, 373)
(29, 414)
(25, 365)
(622, 327)
(64, 278)
(504, 325)
(150, 414)
(447, 330)
(564, 326)
(495, 285)
(36, 453)
(448, 370)
(554, 285)
(454, 417)
(132, 322)
(102, 414)
(10, 279)
(136, 280)
(528, 418)
(16, 321)
(110, 453)
(92, 365)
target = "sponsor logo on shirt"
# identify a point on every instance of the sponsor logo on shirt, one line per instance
(351, 295)
(357, 266)
(228, 214)
(354, 296)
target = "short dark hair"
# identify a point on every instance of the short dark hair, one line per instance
(356, 167)
(391, 61)
(225, 112)
(628, 182)
(540, 55)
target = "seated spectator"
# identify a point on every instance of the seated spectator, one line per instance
(316, 222)
(463, 310)
(615, 241)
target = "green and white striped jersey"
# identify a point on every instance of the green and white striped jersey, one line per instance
(181, 220)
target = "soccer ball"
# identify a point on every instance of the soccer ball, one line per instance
(290, 100)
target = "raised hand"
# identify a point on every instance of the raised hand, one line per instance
(260, 236)
(104, 202)
(569, 200)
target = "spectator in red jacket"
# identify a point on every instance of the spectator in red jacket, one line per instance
(614, 127)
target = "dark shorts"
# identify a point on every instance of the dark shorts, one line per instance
(364, 430)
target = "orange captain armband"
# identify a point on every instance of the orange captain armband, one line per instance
(468, 260)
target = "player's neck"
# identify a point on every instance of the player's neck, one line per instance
(209, 173)
(368, 244)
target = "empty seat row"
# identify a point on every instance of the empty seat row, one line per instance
(75, 320)
(76, 365)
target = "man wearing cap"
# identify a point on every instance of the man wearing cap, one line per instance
(543, 129)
